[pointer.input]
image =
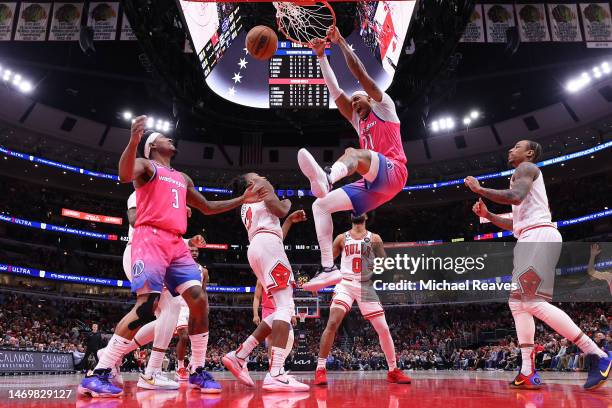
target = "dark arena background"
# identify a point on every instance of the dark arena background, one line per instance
(467, 80)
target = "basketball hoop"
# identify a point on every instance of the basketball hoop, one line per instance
(303, 21)
(302, 316)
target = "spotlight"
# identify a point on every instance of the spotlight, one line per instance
(435, 126)
(16, 79)
(450, 123)
(7, 75)
(25, 87)
(443, 124)
(596, 72)
(573, 86)
(474, 114)
(166, 126)
(127, 115)
(605, 67)
(467, 121)
(158, 126)
(150, 122)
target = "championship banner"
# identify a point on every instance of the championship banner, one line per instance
(499, 18)
(12, 361)
(532, 22)
(103, 20)
(474, 30)
(127, 33)
(564, 22)
(32, 23)
(66, 22)
(7, 16)
(597, 24)
(91, 217)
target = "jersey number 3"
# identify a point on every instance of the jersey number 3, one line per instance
(175, 204)
(248, 218)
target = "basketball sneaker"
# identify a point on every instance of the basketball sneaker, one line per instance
(320, 184)
(97, 383)
(531, 382)
(156, 381)
(599, 372)
(203, 381)
(397, 376)
(238, 368)
(182, 374)
(326, 276)
(115, 375)
(283, 383)
(320, 376)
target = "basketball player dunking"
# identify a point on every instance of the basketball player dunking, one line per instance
(269, 262)
(380, 160)
(535, 257)
(358, 246)
(159, 255)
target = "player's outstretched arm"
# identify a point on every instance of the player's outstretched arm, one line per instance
(355, 65)
(197, 200)
(379, 249)
(335, 92)
(524, 176)
(131, 168)
(293, 218)
(279, 208)
(481, 210)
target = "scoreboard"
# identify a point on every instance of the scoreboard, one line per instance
(295, 78)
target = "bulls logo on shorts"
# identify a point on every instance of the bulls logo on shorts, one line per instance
(138, 268)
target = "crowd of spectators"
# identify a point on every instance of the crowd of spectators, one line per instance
(459, 337)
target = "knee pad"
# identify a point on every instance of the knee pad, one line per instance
(285, 308)
(145, 312)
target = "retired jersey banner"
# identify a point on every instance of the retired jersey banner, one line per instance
(474, 30)
(564, 22)
(532, 22)
(91, 217)
(32, 23)
(597, 24)
(103, 20)
(127, 34)
(7, 16)
(499, 17)
(66, 22)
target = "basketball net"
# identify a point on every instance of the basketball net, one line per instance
(302, 316)
(303, 21)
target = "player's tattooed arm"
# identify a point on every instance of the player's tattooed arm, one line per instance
(355, 65)
(481, 210)
(338, 246)
(378, 247)
(197, 200)
(293, 218)
(131, 168)
(279, 208)
(523, 179)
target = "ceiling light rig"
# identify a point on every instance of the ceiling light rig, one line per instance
(448, 123)
(597, 73)
(15, 80)
(152, 123)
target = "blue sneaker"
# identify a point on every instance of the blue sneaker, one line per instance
(98, 384)
(531, 382)
(204, 382)
(599, 372)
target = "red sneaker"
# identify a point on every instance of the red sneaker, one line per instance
(397, 376)
(320, 376)
(182, 374)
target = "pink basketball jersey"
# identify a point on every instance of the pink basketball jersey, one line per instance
(257, 218)
(380, 131)
(162, 202)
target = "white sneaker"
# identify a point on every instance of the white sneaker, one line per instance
(325, 277)
(319, 184)
(283, 383)
(238, 368)
(157, 381)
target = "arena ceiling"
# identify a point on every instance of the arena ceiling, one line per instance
(154, 76)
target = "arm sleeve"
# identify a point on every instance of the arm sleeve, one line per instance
(330, 79)
(131, 202)
(385, 109)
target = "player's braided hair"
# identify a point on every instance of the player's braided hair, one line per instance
(238, 185)
(537, 150)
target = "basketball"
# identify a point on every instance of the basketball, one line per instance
(261, 42)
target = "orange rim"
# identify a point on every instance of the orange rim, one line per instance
(307, 3)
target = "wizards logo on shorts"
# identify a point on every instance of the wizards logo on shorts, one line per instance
(389, 165)
(138, 268)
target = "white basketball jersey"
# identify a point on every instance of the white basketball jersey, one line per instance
(257, 218)
(131, 203)
(357, 257)
(533, 210)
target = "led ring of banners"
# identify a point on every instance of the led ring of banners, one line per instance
(301, 193)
